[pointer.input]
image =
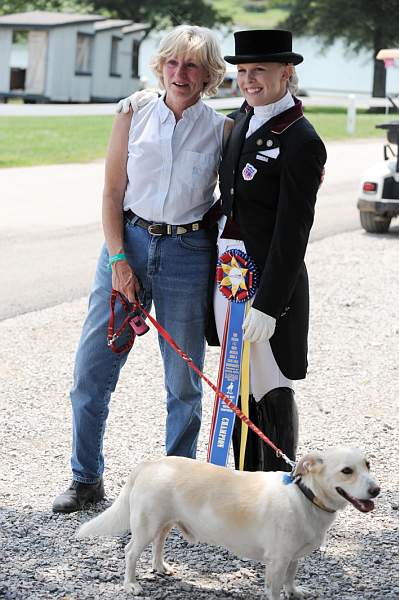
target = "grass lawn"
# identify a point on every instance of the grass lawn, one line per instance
(330, 123)
(243, 16)
(27, 141)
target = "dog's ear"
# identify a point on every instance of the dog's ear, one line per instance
(310, 463)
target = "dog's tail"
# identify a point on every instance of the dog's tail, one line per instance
(116, 519)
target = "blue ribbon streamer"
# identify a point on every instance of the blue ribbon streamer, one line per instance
(225, 417)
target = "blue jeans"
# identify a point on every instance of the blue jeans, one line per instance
(174, 274)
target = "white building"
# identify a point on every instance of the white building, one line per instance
(64, 57)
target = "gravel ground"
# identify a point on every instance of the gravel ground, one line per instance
(349, 397)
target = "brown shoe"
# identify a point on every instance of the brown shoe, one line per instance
(78, 495)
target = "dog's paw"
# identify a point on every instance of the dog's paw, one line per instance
(132, 587)
(163, 569)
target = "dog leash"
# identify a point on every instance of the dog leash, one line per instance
(113, 336)
(133, 323)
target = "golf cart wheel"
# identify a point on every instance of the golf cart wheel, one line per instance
(374, 223)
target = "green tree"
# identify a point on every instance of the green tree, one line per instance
(15, 6)
(157, 13)
(361, 24)
(164, 13)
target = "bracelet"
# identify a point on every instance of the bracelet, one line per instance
(116, 258)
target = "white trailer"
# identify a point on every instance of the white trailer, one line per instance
(116, 59)
(64, 57)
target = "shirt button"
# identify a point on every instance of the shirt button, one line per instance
(269, 143)
(232, 191)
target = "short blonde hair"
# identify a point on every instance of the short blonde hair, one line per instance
(202, 44)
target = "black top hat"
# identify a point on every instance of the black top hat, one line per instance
(264, 45)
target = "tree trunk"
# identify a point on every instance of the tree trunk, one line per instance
(379, 79)
(380, 75)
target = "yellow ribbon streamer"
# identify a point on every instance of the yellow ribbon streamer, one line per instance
(244, 392)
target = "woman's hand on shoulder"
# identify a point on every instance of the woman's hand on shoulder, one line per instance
(135, 101)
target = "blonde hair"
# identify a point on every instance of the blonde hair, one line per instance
(201, 44)
(293, 83)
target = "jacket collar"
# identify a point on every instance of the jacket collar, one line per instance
(277, 125)
(265, 113)
(285, 119)
(280, 122)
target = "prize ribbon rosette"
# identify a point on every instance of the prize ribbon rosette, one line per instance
(237, 277)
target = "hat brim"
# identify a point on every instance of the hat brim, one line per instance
(282, 57)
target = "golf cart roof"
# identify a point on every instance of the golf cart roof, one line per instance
(392, 130)
(388, 53)
(394, 125)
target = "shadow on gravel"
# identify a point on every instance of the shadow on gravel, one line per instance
(39, 552)
(378, 551)
(354, 566)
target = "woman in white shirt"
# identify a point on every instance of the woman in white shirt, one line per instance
(161, 170)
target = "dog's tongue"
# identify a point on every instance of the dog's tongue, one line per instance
(364, 506)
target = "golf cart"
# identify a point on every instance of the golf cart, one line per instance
(379, 191)
(378, 199)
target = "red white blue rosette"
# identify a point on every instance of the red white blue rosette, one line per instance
(237, 275)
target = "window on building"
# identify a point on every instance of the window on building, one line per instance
(113, 67)
(84, 53)
(135, 58)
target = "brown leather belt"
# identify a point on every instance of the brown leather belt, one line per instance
(164, 228)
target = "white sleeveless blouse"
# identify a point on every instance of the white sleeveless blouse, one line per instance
(172, 167)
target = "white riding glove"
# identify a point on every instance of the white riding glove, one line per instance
(136, 101)
(258, 326)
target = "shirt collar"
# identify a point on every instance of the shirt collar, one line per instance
(192, 112)
(163, 111)
(264, 113)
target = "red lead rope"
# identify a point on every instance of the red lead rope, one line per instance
(184, 356)
(113, 335)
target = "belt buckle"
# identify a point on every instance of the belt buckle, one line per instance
(151, 229)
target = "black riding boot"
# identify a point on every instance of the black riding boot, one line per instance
(251, 457)
(277, 417)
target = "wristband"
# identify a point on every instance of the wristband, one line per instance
(116, 258)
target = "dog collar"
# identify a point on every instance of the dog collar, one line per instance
(312, 497)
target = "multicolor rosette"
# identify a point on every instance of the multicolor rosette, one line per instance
(237, 277)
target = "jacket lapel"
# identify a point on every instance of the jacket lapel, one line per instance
(237, 137)
(260, 140)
